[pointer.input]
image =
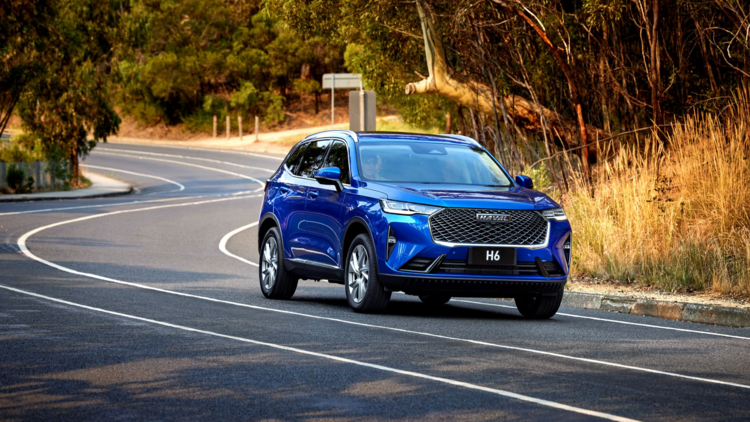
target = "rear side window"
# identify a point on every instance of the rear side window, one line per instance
(294, 159)
(312, 158)
(338, 156)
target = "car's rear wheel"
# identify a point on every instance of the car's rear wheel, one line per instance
(275, 281)
(434, 299)
(363, 290)
(538, 306)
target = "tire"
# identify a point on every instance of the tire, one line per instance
(275, 281)
(539, 307)
(435, 299)
(363, 290)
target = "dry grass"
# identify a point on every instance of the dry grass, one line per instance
(673, 216)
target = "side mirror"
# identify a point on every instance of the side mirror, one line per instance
(525, 181)
(330, 176)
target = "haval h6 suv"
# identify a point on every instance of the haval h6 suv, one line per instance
(435, 216)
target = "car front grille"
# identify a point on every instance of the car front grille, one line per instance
(460, 226)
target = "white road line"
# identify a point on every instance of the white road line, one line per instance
(225, 239)
(190, 165)
(24, 249)
(180, 187)
(224, 151)
(614, 321)
(82, 207)
(135, 152)
(455, 383)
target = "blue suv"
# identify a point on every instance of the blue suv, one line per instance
(435, 216)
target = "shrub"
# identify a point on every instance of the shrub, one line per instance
(672, 214)
(17, 180)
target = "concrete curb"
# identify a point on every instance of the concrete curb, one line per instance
(101, 186)
(676, 311)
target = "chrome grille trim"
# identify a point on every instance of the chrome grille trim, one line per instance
(470, 220)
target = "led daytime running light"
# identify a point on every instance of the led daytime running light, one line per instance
(555, 214)
(405, 208)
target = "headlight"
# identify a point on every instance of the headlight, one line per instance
(555, 214)
(405, 208)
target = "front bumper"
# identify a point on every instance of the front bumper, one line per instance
(448, 271)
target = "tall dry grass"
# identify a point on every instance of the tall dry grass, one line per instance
(673, 214)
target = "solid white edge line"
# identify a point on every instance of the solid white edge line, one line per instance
(126, 203)
(24, 249)
(225, 239)
(686, 330)
(503, 393)
(232, 233)
(134, 152)
(190, 165)
(180, 187)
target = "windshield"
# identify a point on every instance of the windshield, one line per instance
(429, 162)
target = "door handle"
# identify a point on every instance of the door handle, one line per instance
(284, 189)
(313, 194)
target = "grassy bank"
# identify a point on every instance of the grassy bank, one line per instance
(672, 213)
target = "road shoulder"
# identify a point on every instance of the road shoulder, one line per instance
(672, 310)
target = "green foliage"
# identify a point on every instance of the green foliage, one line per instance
(17, 180)
(22, 148)
(245, 98)
(188, 61)
(65, 100)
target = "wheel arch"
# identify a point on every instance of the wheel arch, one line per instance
(266, 222)
(355, 227)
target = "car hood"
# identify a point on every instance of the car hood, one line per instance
(465, 196)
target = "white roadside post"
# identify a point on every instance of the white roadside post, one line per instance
(333, 97)
(215, 125)
(228, 126)
(239, 123)
(361, 106)
(256, 128)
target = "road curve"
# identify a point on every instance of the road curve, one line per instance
(148, 307)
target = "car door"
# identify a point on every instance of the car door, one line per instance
(298, 238)
(323, 210)
(289, 199)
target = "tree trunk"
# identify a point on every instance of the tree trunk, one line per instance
(655, 71)
(572, 85)
(473, 95)
(478, 96)
(74, 167)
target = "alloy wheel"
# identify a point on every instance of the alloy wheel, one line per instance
(359, 274)
(270, 263)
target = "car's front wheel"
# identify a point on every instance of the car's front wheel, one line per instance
(275, 281)
(363, 290)
(538, 306)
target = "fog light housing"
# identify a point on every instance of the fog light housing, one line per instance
(566, 251)
(391, 243)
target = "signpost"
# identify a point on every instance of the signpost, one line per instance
(335, 81)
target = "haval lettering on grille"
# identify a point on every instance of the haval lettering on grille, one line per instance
(435, 216)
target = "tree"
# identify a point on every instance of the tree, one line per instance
(60, 51)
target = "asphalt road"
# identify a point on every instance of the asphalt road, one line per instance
(147, 307)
